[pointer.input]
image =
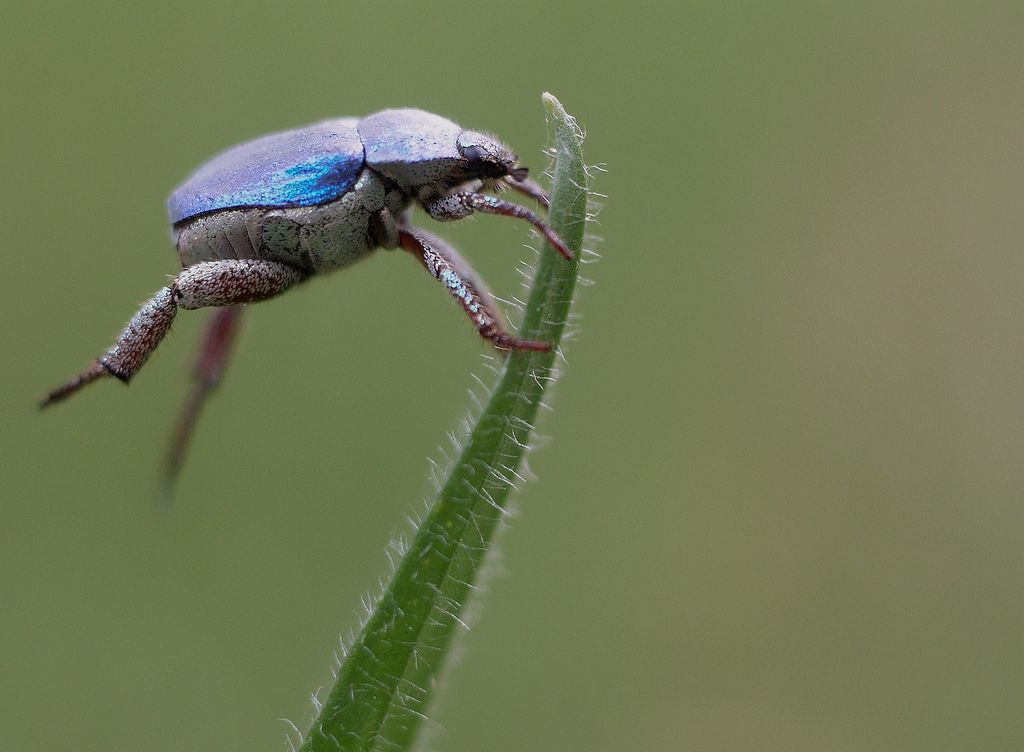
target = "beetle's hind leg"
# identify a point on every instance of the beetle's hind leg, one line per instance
(211, 283)
(452, 271)
(142, 335)
(218, 341)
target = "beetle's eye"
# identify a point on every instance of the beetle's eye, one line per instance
(474, 155)
(478, 163)
(475, 163)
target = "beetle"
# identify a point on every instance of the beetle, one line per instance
(266, 215)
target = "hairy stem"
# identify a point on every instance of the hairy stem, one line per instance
(384, 685)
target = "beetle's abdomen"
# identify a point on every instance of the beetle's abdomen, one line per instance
(307, 166)
(313, 238)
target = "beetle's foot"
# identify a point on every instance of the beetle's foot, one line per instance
(89, 375)
(530, 188)
(508, 343)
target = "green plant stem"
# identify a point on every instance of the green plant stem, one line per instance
(385, 683)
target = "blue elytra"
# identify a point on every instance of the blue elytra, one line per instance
(300, 167)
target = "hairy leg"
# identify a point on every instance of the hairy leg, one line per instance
(211, 283)
(459, 205)
(452, 271)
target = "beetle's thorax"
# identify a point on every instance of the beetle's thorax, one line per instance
(428, 156)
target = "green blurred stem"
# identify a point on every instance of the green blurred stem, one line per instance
(385, 684)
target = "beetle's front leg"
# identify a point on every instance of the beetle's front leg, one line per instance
(462, 204)
(530, 188)
(452, 271)
(211, 283)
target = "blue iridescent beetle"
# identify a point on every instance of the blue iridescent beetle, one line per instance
(268, 214)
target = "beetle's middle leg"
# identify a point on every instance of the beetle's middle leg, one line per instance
(210, 283)
(221, 333)
(452, 271)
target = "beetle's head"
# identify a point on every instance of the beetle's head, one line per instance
(487, 159)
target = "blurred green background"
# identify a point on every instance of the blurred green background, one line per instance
(781, 507)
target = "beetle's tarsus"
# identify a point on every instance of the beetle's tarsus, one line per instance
(532, 189)
(89, 375)
(504, 342)
(556, 242)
